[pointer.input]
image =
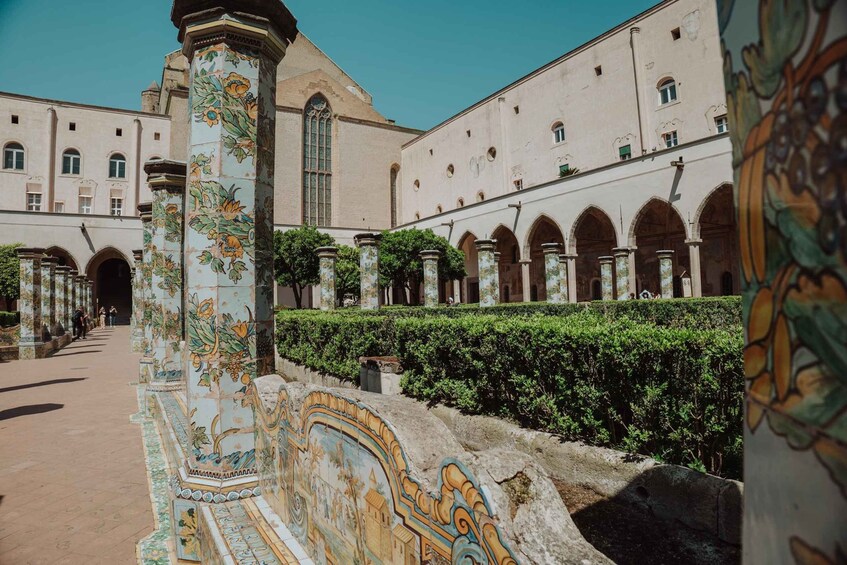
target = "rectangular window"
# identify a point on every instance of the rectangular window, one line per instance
(59, 207)
(33, 201)
(721, 124)
(85, 204)
(519, 184)
(14, 119)
(117, 169)
(119, 132)
(625, 152)
(72, 126)
(559, 134)
(675, 34)
(70, 164)
(517, 109)
(671, 139)
(598, 70)
(563, 169)
(157, 136)
(117, 206)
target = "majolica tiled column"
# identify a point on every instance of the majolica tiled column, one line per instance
(327, 257)
(30, 345)
(564, 290)
(606, 283)
(73, 298)
(487, 272)
(92, 307)
(430, 271)
(551, 271)
(369, 270)
(666, 272)
(233, 51)
(137, 335)
(145, 364)
(622, 272)
(498, 291)
(62, 300)
(48, 297)
(167, 183)
(79, 292)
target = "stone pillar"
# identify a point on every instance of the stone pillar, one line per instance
(78, 293)
(696, 274)
(368, 244)
(606, 283)
(145, 364)
(73, 298)
(551, 272)
(30, 345)
(499, 291)
(666, 272)
(457, 291)
(571, 259)
(793, 272)
(527, 292)
(92, 306)
(48, 298)
(167, 183)
(564, 279)
(327, 257)
(234, 49)
(621, 273)
(137, 335)
(63, 301)
(430, 271)
(487, 272)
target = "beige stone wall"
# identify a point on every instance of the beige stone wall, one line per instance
(44, 131)
(600, 113)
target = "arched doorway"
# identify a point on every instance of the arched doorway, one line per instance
(544, 230)
(509, 267)
(112, 278)
(593, 237)
(657, 227)
(719, 256)
(64, 257)
(470, 284)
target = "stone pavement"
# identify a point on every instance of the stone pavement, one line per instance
(73, 484)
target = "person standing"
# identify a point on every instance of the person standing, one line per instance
(78, 321)
(113, 316)
(102, 314)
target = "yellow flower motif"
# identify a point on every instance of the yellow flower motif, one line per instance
(230, 209)
(211, 116)
(252, 110)
(241, 329)
(171, 209)
(236, 85)
(231, 247)
(206, 309)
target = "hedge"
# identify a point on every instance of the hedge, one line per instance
(668, 392)
(703, 313)
(9, 319)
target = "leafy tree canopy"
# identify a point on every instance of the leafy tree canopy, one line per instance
(347, 278)
(296, 263)
(10, 272)
(400, 263)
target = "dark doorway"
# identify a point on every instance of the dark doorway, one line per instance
(114, 288)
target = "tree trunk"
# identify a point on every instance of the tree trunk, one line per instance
(298, 295)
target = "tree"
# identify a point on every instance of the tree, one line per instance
(347, 277)
(296, 262)
(400, 262)
(10, 273)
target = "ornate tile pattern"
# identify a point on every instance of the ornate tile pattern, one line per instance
(666, 273)
(430, 271)
(327, 257)
(622, 273)
(29, 304)
(488, 289)
(369, 270)
(606, 281)
(551, 272)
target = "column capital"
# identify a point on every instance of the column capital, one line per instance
(50, 261)
(622, 249)
(138, 255)
(73, 273)
(525, 261)
(606, 259)
(665, 252)
(485, 244)
(431, 254)
(328, 252)
(164, 174)
(145, 210)
(567, 256)
(551, 248)
(63, 269)
(265, 24)
(30, 252)
(366, 239)
(693, 241)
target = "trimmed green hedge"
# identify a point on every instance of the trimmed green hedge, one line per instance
(702, 313)
(9, 319)
(671, 392)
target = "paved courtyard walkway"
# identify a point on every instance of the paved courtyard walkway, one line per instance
(73, 484)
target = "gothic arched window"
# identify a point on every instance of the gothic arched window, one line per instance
(317, 162)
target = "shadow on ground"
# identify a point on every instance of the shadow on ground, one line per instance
(42, 383)
(28, 410)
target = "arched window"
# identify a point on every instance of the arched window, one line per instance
(480, 196)
(460, 203)
(558, 132)
(439, 209)
(667, 91)
(417, 215)
(13, 157)
(317, 162)
(450, 170)
(394, 171)
(117, 166)
(71, 161)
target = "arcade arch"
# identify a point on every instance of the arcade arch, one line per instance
(715, 226)
(470, 284)
(110, 271)
(593, 236)
(509, 267)
(543, 230)
(658, 226)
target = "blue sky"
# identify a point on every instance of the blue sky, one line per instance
(421, 61)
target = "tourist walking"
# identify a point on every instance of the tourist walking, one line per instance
(102, 314)
(113, 316)
(78, 320)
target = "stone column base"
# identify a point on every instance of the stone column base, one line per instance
(145, 370)
(32, 351)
